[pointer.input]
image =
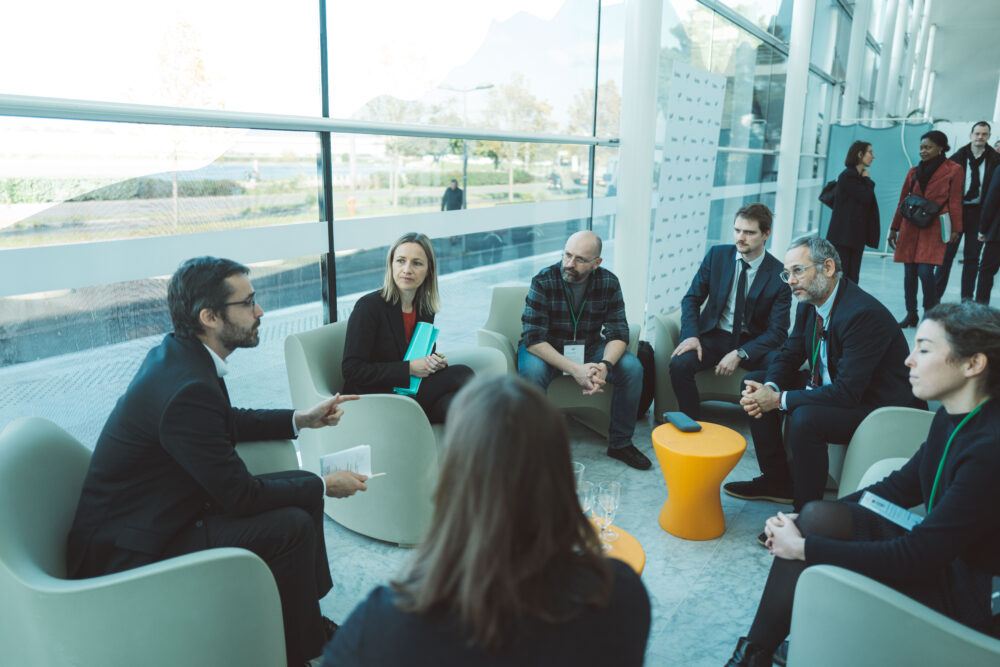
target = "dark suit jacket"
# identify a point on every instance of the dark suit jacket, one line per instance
(375, 346)
(767, 305)
(854, 222)
(989, 217)
(962, 156)
(866, 351)
(166, 457)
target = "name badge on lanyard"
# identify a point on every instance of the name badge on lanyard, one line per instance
(574, 353)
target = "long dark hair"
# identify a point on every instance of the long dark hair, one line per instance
(854, 153)
(972, 328)
(507, 522)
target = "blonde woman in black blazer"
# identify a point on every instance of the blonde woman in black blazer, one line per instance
(382, 323)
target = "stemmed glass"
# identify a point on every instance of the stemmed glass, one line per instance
(585, 493)
(578, 472)
(609, 495)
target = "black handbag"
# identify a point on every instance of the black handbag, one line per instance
(829, 194)
(918, 210)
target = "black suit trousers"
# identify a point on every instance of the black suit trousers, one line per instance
(715, 344)
(290, 540)
(809, 428)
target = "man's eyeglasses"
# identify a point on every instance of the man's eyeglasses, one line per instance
(797, 271)
(250, 302)
(576, 259)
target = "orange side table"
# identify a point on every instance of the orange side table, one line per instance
(694, 465)
(626, 548)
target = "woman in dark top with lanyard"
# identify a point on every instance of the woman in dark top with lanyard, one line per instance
(854, 222)
(511, 571)
(948, 560)
(382, 324)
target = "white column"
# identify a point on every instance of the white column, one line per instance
(638, 139)
(929, 100)
(925, 84)
(906, 70)
(856, 58)
(919, 60)
(885, 42)
(996, 108)
(792, 118)
(891, 92)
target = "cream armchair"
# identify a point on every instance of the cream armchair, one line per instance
(398, 507)
(502, 332)
(841, 618)
(214, 607)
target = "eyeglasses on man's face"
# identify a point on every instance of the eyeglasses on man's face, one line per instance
(797, 271)
(249, 302)
(576, 260)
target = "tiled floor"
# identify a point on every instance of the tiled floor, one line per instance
(703, 593)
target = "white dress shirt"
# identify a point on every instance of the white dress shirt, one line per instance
(726, 319)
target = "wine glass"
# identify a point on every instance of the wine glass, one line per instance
(602, 520)
(578, 469)
(585, 493)
(609, 495)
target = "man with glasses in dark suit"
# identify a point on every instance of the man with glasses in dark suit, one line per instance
(854, 350)
(165, 478)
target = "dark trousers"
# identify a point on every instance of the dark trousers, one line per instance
(988, 271)
(809, 428)
(925, 272)
(290, 540)
(715, 344)
(970, 267)
(850, 261)
(437, 390)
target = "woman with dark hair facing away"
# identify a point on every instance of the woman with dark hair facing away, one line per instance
(382, 324)
(948, 560)
(941, 181)
(511, 571)
(854, 222)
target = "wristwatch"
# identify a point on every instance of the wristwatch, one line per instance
(742, 354)
(607, 363)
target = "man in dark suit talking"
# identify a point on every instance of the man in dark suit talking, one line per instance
(746, 317)
(165, 478)
(855, 353)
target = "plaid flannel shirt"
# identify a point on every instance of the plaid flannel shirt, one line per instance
(547, 318)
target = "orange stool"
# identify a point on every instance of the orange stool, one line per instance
(694, 464)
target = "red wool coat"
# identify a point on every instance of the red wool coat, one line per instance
(924, 246)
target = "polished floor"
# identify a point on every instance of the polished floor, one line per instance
(703, 593)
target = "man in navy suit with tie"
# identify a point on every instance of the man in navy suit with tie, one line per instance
(165, 478)
(855, 353)
(746, 317)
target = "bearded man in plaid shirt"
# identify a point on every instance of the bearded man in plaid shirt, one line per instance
(574, 323)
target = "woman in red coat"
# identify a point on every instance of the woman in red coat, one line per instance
(941, 181)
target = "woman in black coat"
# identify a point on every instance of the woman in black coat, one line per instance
(854, 222)
(382, 324)
(948, 560)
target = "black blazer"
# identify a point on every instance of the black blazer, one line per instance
(989, 216)
(375, 345)
(962, 156)
(166, 457)
(854, 222)
(767, 305)
(866, 351)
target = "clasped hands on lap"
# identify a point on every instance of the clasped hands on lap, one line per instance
(758, 398)
(783, 537)
(428, 365)
(726, 366)
(342, 483)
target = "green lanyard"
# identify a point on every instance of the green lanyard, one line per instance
(569, 306)
(944, 455)
(818, 345)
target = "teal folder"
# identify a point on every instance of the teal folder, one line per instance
(424, 337)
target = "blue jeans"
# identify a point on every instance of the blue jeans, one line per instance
(626, 378)
(925, 272)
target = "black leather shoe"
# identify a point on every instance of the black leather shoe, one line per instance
(781, 654)
(762, 539)
(760, 488)
(329, 629)
(911, 320)
(749, 655)
(630, 456)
